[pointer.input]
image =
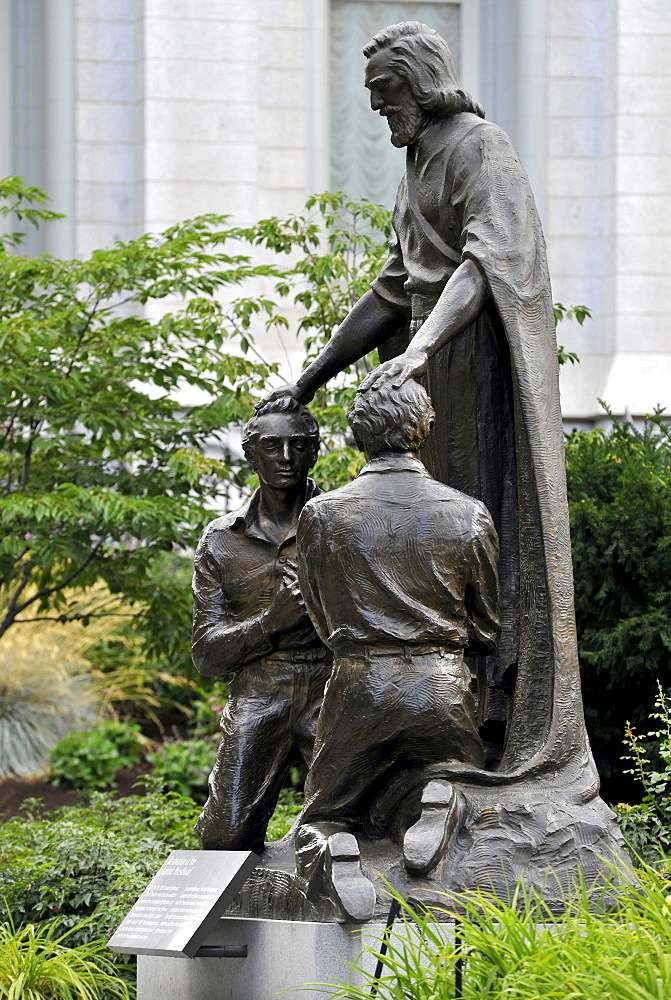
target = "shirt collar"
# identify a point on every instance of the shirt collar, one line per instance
(394, 461)
(248, 516)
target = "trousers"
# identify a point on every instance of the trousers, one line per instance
(383, 713)
(270, 716)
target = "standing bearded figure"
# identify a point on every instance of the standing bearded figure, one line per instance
(463, 303)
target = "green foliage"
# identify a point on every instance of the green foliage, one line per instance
(619, 488)
(93, 758)
(100, 470)
(94, 860)
(19, 201)
(142, 664)
(288, 807)
(647, 826)
(206, 708)
(40, 963)
(90, 861)
(526, 952)
(578, 313)
(184, 765)
(336, 250)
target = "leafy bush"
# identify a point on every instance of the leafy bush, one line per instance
(94, 860)
(647, 826)
(619, 487)
(288, 807)
(207, 706)
(39, 963)
(101, 470)
(93, 759)
(184, 766)
(525, 952)
(89, 861)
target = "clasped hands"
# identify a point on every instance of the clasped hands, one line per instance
(287, 609)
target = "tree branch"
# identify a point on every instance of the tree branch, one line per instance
(12, 611)
(15, 609)
(77, 617)
(4, 580)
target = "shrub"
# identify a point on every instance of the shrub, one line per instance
(647, 826)
(92, 759)
(92, 860)
(39, 963)
(184, 766)
(207, 707)
(288, 807)
(619, 487)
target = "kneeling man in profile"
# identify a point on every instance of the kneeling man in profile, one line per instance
(398, 572)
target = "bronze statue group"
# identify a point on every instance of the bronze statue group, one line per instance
(411, 634)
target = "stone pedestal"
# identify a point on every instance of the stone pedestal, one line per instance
(284, 956)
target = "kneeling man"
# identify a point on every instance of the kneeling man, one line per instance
(398, 572)
(250, 624)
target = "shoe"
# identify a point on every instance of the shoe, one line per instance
(352, 892)
(425, 842)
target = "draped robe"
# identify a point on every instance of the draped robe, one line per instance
(498, 433)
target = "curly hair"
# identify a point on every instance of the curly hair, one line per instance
(424, 60)
(284, 404)
(387, 419)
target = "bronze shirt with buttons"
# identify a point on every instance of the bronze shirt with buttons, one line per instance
(237, 573)
(277, 679)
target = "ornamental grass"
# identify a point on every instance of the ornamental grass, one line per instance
(590, 951)
(36, 963)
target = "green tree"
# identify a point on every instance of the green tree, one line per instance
(100, 468)
(619, 487)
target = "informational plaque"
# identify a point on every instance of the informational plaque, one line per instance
(182, 903)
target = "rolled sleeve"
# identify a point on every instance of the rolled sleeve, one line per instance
(390, 282)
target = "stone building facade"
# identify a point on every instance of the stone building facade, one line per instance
(135, 113)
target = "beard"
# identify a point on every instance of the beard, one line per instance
(405, 123)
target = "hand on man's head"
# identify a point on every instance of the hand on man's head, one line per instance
(290, 389)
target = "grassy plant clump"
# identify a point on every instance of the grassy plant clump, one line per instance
(41, 963)
(184, 766)
(44, 691)
(523, 951)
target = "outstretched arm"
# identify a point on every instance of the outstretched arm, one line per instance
(368, 323)
(461, 302)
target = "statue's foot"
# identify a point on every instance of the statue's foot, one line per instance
(352, 892)
(425, 842)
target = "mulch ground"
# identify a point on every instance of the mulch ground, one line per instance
(14, 791)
